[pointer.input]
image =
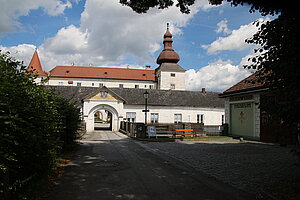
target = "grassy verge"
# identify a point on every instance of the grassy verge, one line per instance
(166, 139)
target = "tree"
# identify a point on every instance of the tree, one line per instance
(35, 125)
(278, 49)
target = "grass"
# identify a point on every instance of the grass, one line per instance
(166, 139)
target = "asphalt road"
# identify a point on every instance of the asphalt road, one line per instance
(109, 165)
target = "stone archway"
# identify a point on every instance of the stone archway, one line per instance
(90, 125)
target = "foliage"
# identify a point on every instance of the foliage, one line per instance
(278, 50)
(35, 125)
(142, 6)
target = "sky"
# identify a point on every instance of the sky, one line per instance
(210, 40)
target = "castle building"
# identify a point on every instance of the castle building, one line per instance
(118, 93)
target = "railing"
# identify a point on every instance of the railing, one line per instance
(168, 129)
(213, 130)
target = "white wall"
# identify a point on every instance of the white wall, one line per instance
(212, 116)
(106, 82)
(166, 80)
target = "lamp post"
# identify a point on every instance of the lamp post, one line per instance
(146, 96)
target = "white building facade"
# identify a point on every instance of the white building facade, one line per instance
(119, 92)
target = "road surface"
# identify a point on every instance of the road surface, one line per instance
(109, 165)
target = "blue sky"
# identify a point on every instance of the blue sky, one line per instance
(104, 33)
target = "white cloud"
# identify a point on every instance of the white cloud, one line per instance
(222, 27)
(235, 41)
(11, 10)
(69, 40)
(216, 76)
(22, 52)
(109, 33)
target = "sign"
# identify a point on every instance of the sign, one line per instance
(241, 98)
(151, 131)
(145, 110)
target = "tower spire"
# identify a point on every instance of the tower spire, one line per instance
(35, 65)
(168, 55)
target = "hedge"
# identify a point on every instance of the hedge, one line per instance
(35, 125)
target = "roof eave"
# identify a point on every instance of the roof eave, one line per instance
(245, 91)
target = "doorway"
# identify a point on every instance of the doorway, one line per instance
(103, 120)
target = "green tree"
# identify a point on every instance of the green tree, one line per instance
(35, 125)
(278, 47)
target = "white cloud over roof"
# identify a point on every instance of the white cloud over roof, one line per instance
(234, 41)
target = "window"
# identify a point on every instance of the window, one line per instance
(200, 118)
(136, 86)
(173, 75)
(151, 86)
(154, 117)
(177, 118)
(130, 116)
(145, 86)
(93, 84)
(172, 86)
(79, 84)
(100, 84)
(223, 119)
(121, 85)
(60, 83)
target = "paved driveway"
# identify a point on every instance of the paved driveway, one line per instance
(244, 165)
(111, 166)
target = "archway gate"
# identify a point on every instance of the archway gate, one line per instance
(102, 100)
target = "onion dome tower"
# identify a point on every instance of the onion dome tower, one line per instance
(169, 74)
(168, 55)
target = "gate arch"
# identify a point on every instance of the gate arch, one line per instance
(90, 120)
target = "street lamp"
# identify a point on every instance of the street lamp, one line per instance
(146, 96)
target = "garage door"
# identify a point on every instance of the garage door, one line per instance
(241, 119)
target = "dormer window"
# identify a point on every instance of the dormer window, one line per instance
(105, 73)
(144, 74)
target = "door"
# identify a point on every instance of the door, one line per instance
(242, 119)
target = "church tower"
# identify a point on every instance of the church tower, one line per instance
(169, 74)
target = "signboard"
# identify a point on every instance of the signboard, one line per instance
(151, 131)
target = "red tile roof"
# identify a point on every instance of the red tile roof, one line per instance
(35, 65)
(249, 83)
(102, 72)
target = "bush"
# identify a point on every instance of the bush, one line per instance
(35, 125)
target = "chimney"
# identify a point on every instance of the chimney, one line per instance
(203, 90)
